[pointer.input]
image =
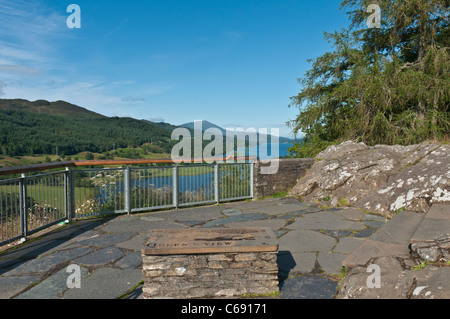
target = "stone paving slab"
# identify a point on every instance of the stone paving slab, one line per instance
(431, 229)
(203, 213)
(408, 271)
(400, 228)
(134, 243)
(236, 219)
(374, 223)
(32, 250)
(104, 240)
(11, 286)
(51, 287)
(47, 263)
(127, 224)
(273, 224)
(294, 263)
(83, 236)
(306, 240)
(325, 220)
(312, 288)
(336, 233)
(231, 211)
(365, 233)
(348, 245)
(275, 209)
(372, 248)
(106, 283)
(100, 257)
(312, 241)
(374, 217)
(331, 262)
(254, 204)
(354, 214)
(130, 261)
(431, 240)
(439, 211)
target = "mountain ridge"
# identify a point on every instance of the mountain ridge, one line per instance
(45, 107)
(42, 127)
(206, 125)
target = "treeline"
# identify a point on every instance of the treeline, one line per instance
(386, 85)
(24, 133)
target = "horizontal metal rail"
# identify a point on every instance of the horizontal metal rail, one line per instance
(48, 166)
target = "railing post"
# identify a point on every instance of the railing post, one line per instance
(175, 186)
(23, 205)
(127, 190)
(216, 183)
(67, 193)
(71, 186)
(252, 169)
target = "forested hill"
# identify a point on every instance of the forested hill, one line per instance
(39, 127)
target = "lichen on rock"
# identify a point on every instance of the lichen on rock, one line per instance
(380, 178)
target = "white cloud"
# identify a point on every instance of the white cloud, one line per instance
(3, 85)
(27, 32)
(134, 99)
(19, 70)
(96, 94)
(156, 119)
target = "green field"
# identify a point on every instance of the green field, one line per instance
(11, 161)
(40, 194)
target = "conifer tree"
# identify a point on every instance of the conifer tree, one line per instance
(386, 85)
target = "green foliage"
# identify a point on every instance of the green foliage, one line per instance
(343, 202)
(421, 266)
(310, 146)
(89, 156)
(379, 86)
(233, 181)
(23, 133)
(275, 195)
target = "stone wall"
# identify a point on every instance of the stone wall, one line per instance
(209, 275)
(289, 171)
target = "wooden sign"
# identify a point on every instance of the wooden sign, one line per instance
(209, 240)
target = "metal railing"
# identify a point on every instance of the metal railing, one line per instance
(31, 203)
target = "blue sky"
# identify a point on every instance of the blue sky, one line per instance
(233, 63)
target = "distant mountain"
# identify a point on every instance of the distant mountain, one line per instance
(40, 127)
(162, 125)
(61, 108)
(206, 125)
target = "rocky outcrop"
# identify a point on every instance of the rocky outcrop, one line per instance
(382, 179)
(432, 251)
(398, 279)
(408, 257)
